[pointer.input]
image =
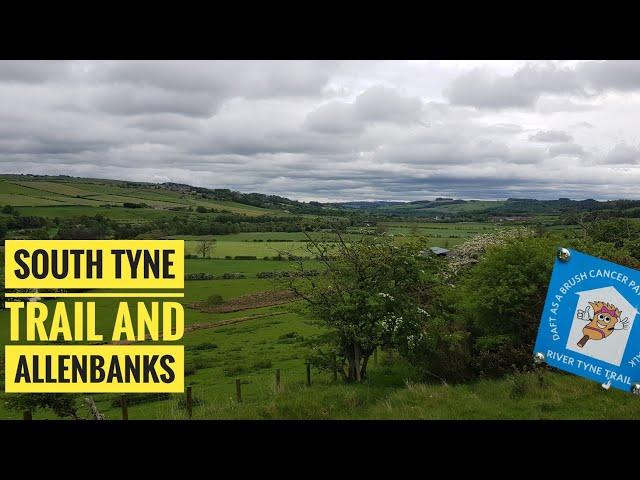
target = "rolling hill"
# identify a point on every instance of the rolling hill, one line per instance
(63, 191)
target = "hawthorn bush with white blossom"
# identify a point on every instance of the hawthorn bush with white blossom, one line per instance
(371, 294)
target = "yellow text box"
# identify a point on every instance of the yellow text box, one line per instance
(73, 368)
(89, 264)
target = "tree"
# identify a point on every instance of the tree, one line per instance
(368, 296)
(63, 405)
(499, 302)
(204, 247)
(9, 209)
(381, 228)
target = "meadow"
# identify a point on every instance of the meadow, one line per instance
(280, 337)
(253, 341)
(269, 244)
(21, 193)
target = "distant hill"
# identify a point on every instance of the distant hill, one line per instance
(512, 208)
(56, 193)
(62, 190)
(365, 205)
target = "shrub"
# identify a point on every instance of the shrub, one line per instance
(194, 365)
(232, 275)
(245, 257)
(215, 299)
(287, 274)
(138, 398)
(261, 365)
(203, 346)
(289, 335)
(198, 276)
(500, 301)
(234, 371)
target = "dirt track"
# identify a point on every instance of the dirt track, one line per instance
(203, 326)
(247, 302)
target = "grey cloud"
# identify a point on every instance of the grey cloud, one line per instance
(623, 154)
(386, 105)
(456, 150)
(485, 89)
(376, 104)
(583, 125)
(228, 78)
(311, 130)
(623, 75)
(481, 88)
(334, 118)
(566, 149)
(29, 71)
(551, 136)
(553, 105)
(163, 122)
(504, 129)
(126, 100)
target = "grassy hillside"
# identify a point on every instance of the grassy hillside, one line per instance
(57, 192)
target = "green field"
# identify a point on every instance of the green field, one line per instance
(266, 338)
(278, 338)
(22, 193)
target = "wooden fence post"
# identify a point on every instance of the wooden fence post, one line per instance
(308, 374)
(189, 401)
(335, 368)
(125, 409)
(26, 415)
(375, 357)
(238, 391)
(277, 380)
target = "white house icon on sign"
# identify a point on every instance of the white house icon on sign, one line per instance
(601, 325)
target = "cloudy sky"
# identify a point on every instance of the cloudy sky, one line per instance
(332, 130)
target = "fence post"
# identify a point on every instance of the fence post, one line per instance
(375, 357)
(335, 368)
(238, 391)
(189, 401)
(26, 415)
(123, 404)
(308, 374)
(277, 380)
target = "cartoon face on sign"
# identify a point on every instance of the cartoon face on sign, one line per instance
(603, 320)
(601, 324)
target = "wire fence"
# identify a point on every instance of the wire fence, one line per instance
(223, 393)
(216, 394)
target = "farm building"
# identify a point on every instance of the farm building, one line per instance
(437, 251)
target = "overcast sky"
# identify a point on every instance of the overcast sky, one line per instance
(330, 130)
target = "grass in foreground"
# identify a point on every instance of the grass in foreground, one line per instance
(519, 396)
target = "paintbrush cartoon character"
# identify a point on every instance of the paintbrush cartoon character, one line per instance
(603, 321)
